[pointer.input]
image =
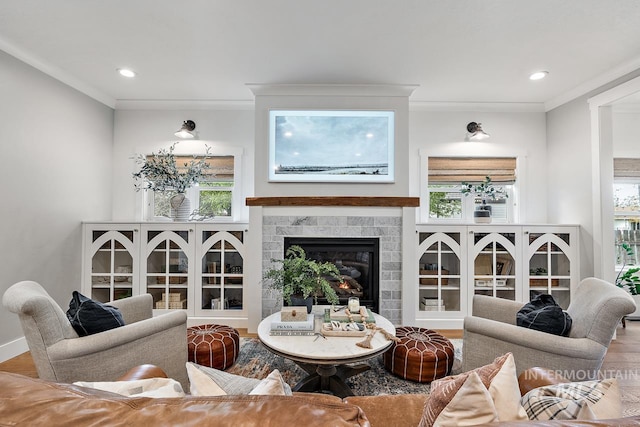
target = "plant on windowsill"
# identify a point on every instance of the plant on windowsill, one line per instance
(486, 191)
(160, 172)
(303, 278)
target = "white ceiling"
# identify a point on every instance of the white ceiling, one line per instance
(208, 50)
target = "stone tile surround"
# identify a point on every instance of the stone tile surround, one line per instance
(387, 228)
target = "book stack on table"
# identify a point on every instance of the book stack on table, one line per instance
(304, 325)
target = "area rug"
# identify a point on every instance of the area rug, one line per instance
(255, 361)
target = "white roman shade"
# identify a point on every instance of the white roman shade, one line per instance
(454, 170)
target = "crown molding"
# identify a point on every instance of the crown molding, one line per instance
(56, 73)
(491, 107)
(593, 84)
(260, 89)
(184, 104)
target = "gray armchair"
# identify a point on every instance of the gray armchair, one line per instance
(596, 309)
(61, 355)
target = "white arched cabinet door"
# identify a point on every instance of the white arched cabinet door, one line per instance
(167, 265)
(493, 262)
(551, 267)
(441, 292)
(220, 285)
(111, 264)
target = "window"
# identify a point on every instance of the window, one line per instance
(447, 203)
(211, 198)
(626, 210)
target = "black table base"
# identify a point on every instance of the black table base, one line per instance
(329, 378)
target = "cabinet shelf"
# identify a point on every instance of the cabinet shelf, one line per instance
(443, 287)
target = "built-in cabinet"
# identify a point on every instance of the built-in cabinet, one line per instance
(184, 266)
(515, 262)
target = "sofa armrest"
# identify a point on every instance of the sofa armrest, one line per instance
(135, 308)
(533, 378)
(142, 372)
(127, 334)
(499, 309)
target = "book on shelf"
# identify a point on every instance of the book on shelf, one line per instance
(277, 324)
(286, 333)
(432, 301)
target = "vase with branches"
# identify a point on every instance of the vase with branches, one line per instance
(486, 191)
(160, 172)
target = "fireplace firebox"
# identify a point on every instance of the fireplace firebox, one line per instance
(356, 258)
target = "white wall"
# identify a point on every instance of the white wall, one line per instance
(626, 138)
(55, 146)
(570, 162)
(147, 131)
(520, 135)
(398, 104)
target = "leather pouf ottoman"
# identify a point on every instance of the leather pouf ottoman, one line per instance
(216, 346)
(422, 355)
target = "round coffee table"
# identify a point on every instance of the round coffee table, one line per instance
(325, 359)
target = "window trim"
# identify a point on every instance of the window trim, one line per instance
(192, 193)
(516, 208)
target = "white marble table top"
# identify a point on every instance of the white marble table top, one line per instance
(332, 350)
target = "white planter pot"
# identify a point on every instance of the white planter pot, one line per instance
(635, 314)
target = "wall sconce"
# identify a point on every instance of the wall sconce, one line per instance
(475, 132)
(186, 131)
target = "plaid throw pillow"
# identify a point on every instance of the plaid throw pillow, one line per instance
(588, 400)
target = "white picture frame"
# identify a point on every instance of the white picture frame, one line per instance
(331, 146)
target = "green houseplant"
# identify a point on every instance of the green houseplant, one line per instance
(302, 277)
(628, 279)
(160, 172)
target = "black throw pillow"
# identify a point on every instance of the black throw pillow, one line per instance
(544, 314)
(90, 317)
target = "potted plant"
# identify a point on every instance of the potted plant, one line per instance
(486, 191)
(628, 279)
(160, 172)
(301, 279)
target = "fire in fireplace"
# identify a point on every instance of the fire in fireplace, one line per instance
(356, 258)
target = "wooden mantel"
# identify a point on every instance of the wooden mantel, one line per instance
(394, 202)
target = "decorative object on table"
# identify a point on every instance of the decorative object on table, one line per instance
(342, 316)
(279, 323)
(354, 304)
(216, 346)
(302, 277)
(294, 314)
(420, 355)
(159, 172)
(486, 191)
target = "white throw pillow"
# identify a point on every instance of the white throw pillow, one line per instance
(150, 387)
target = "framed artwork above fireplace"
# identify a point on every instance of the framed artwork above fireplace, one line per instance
(331, 146)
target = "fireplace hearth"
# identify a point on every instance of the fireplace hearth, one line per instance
(357, 259)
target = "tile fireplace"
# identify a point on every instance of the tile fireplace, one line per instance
(357, 259)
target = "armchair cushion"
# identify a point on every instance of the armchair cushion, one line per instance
(91, 317)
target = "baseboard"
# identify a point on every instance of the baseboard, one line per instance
(13, 348)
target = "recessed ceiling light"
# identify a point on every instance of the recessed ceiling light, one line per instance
(126, 72)
(538, 75)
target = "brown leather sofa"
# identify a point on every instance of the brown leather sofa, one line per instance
(27, 401)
